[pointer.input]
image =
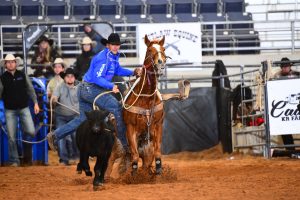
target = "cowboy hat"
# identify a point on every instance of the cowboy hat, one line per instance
(87, 40)
(10, 57)
(113, 39)
(68, 71)
(59, 61)
(286, 63)
(44, 38)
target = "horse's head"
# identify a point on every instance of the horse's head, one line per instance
(155, 55)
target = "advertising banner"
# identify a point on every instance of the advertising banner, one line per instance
(283, 98)
(182, 40)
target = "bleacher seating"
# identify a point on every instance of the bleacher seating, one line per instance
(130, 12)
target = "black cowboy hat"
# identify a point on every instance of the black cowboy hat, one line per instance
(68, 71)
(113, 39)
(285, 59)
(44, 38)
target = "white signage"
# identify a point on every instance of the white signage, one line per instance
(283, 98)
(182, 40)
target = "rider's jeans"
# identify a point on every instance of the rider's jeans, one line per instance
(12, 117)
(86, 94)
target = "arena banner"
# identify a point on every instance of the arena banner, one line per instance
(182, 44)
(283, 98)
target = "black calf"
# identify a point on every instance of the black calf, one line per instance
(94, 139)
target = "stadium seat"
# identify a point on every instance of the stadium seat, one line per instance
(234, 5)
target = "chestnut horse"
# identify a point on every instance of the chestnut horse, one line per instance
(143, 112)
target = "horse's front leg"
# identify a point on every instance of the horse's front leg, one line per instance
(157, 147)
(131, 137)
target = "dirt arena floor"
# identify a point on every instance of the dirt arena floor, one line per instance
(199, 175)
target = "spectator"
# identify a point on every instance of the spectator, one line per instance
(66, 94)
(286, 72)
(58, 67)
(84, 59)
(95, 36)
(15, 90)
(96, 81)
(44, 54)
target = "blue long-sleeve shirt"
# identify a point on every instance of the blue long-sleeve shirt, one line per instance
(103, 67)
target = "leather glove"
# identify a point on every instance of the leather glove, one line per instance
(137, 71)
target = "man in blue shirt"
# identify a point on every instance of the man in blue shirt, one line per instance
(97, 80)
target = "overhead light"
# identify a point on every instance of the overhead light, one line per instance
(251, 32)
(168, 15)
(123, 35)
(66, 17)
(219, 14)
(19, 36)
(245, 13)
(143, 16)
(117, 16)
(225, 32)
(92, 17)
(40, 17)
(13, 17)
(72, 35)
(194, 14)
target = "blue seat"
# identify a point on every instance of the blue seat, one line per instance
(161, 18)
(54, 8)
(157, 7)
(29, 8)
(186, 17)
(111, 19)
(234, 5)
(182, 8)
(208, 7)
(6, 10)
(80, 7)
(136, 19)
(238, 16)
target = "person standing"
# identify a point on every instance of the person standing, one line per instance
(84, 59)
(95, 36)
(58, 67)
(287, 72)
(15, 90)
(66, 94)
(44, 54)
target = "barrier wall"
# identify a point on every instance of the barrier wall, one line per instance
(194, 124)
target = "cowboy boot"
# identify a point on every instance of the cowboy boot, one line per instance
(27, 154)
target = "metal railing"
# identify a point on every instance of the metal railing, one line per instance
(228, 37)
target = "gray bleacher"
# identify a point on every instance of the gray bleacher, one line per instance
(130, 12)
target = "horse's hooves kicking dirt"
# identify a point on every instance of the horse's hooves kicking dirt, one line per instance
(143, 176)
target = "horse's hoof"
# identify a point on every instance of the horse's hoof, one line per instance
(158, 168)
(97, 183)
(88, 173)
(98, 187)
(158, 171)
(134, 169)
(79, 171)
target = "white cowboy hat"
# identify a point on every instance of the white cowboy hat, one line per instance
(59, 61)
(87, 40)
(10, 57)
